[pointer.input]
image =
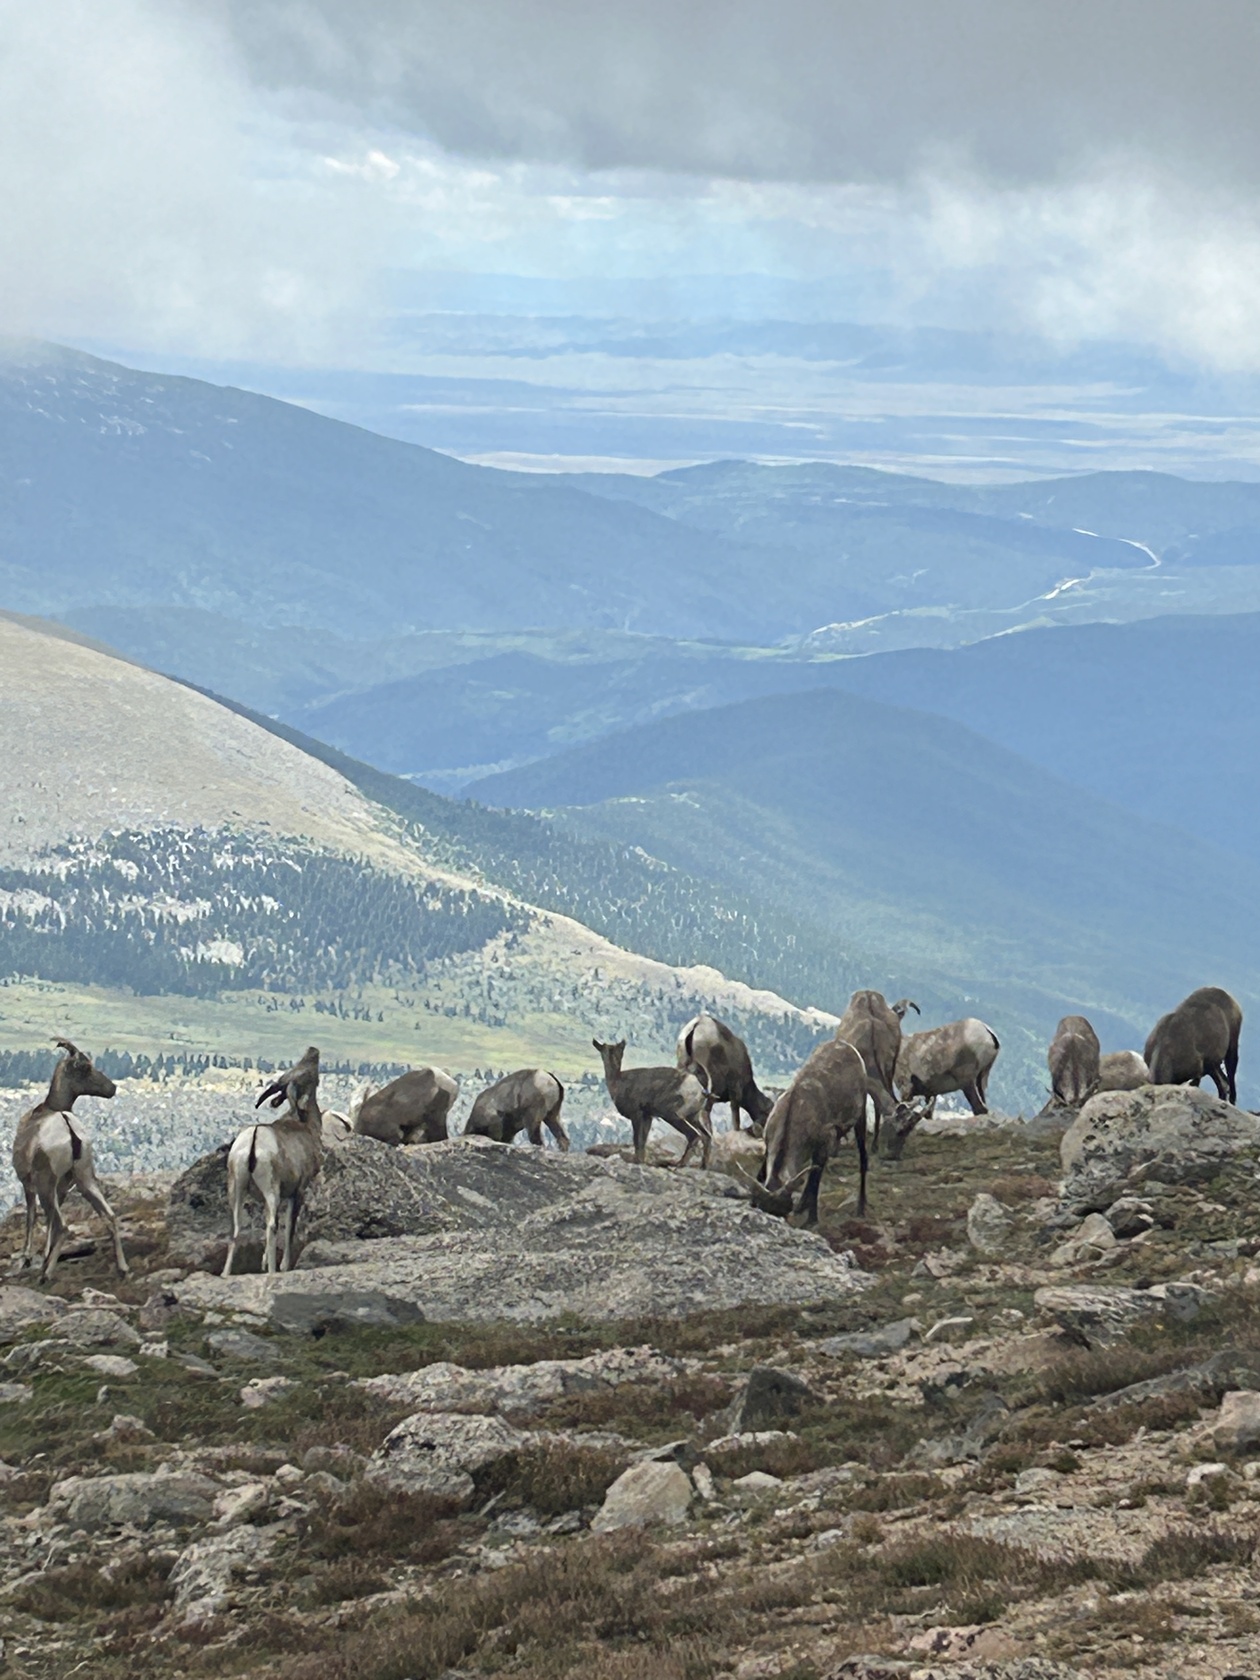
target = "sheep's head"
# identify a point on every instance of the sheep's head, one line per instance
(611, 1054)
(895, 1131)
(84, 1080)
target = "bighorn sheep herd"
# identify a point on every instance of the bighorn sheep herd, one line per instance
(868, 1060)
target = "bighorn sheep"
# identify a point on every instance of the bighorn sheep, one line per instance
(874, 1031)
(51, 1154)
(931, 1064)
(825, 1102)
(1199, 1037)
(525, 1101)
(411, 1109)
(280, 1161)
(657, 1093)
(1122, 1070)
(720, 1061)
(1073, 1058)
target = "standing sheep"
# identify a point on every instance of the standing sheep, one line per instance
(525, 1101)
(411, 1109)
(657, 1093)
(1074, 1057)
(1199, 1037)
(931, 1064)
(874, 1031)
(719, 1059)
(824, 1103)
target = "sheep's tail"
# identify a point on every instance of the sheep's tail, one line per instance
(76, 1142)
(253, 1153)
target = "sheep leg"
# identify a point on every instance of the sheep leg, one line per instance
(50, 1201)
(26, 1257)
(93, 1195)
(974, 1097)
(735, 1125)
(290, 1233)
(555, 1126)
(534, 1133)
(859, 1137)
(1217, 1074)
(640, 1126)
(809, 1200)
(1231, 1072)
(273, 1210)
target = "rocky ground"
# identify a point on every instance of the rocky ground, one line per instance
(1008, 1425)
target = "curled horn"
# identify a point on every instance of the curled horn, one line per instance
(70, 1049)
(777, 1203)
(902, 1005)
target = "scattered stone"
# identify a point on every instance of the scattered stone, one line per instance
(203, 1573)
(989, 1225)
(20, 1308)
(872, 1344)
(984, 1428)
(944, 1328)
(15, 1393)
(140, 1499)
(1174, 1133)
(243, 1344)
(194, 1366)
(261, 1391)
(154, 1350)
(754, 1438)
(95, 1327)
(438, 1452)
(1039, 1479)
(1201, 1473)
(242, 1504)
(1098, 1315)
(769, 1396)
(1092, 1239)
(125, 1427)
(519, 1390)
(338, 1461)
(737, 1154)
(757, 1481)
(1130, 1217)
(702, 1481)
(114, 1365)
(1237, 1428)
(645, 1493)
(1213, 1378)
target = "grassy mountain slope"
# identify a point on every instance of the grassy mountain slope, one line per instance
(1161, 716)
(904, 832)
(161, 846)
(128, 489)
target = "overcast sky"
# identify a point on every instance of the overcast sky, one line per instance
(248, 177)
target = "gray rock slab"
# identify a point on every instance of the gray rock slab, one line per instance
(871, 1344)
(243, 1344)
(646, 1493)
(439, 1452)
(96, 1502)
(519, 1390)
(989, 1225)
(97, 1327)
(203, 1574)
(569, 1234)
(20, 1308)
(1100, 1315)
(1174, 1133)
(767, 1399)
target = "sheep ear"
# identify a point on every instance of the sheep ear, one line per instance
(596, 1045)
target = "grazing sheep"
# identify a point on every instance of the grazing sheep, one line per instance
(823, 1104)
(51, 1154)
(720, 1061)
(280, 1161)
(874, 1031)
(657, 1093)
(525, 1101)
(931, 1064)
(1073, 1057)
(1199, 1037)
(1122, 1070)
(411, 1109)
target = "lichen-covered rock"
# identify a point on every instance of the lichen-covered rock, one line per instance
(534, 1234)
(1092, 1239)
(646, 1493)
(519, 1390)
(95, 1502)
(1237, 1427)
(20, 1308)
(1175, 1133)
(96, 1327)
(989, 1225)
(768, 1397)
(1101, 1315)
(439, 1452)
(203, 1573)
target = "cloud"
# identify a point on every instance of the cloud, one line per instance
(1014, 91)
